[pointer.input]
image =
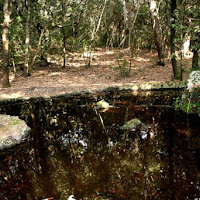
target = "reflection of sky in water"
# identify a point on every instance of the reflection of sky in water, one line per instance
(72, 138)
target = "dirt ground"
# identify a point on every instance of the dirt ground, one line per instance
(53, 80)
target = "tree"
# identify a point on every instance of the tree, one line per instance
(5, 43)
(195, 43)
(27, 40)
(64, 10)
(157, 29)
(42, 28)
(176, 68)
(195, 50)
(95, 23)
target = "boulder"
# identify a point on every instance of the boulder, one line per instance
(12, 131)
(102, 104)
(190, 101)
(193, 80)
(133, 124)
(136, 126)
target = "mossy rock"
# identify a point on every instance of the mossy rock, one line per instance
(132, 124)
(190, 101)
(102, 104)
(137, 127)
(12, 131)
(159, 85)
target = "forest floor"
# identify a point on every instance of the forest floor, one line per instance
(52, 79)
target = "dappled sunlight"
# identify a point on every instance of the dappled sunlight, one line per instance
(77, 65)
(14, 95)
(188, 55)
(11, 77)
(39, 73)
(104, 72)
(139, 59)
(55, 74)
(109, 52)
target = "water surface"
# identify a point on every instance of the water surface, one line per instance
(75, 148)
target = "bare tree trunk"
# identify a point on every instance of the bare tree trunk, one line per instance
(176, 69)
(195, 50)
(186, 44)
(125, 12)
(195, 59)
(5, 43)
(125, 40)
(64, 47)
(38, 47)
(77, 19)
(64, 10)
(157, 29)
(93, 35)
(27, 41)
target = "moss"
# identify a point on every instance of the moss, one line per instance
(14, 121)
(132, 124)
(102, 104)
(159, 85)
(154, 167)
(12, 131)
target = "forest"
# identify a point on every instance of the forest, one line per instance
(35, 33)
(75, 122)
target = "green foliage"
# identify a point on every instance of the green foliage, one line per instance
(123, 66)
(189, 102)
(81, 19)
(173, 56)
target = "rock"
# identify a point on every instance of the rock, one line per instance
(12, 131)
(190, 102)
(102, 104)
(157, 85)
(193, 81)
(133, 124)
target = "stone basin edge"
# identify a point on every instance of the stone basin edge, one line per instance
(149, 86)
(146, 86)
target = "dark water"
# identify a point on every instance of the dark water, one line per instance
(74, 148)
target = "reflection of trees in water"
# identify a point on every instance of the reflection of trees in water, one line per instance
(15, 180)
(100, 170)
(72, 153)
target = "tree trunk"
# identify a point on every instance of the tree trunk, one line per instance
(195, 49)
(64, 47)
(195, 59)
(186, 44)
(64, 10)
(157, 29)
(125, 13)
(27, 41)
(176, 69)
(93, 35)
(5, 44)
(38, 47)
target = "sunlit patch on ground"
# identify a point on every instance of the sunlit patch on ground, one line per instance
(103, 72)
(11, 96)
(139, 59)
